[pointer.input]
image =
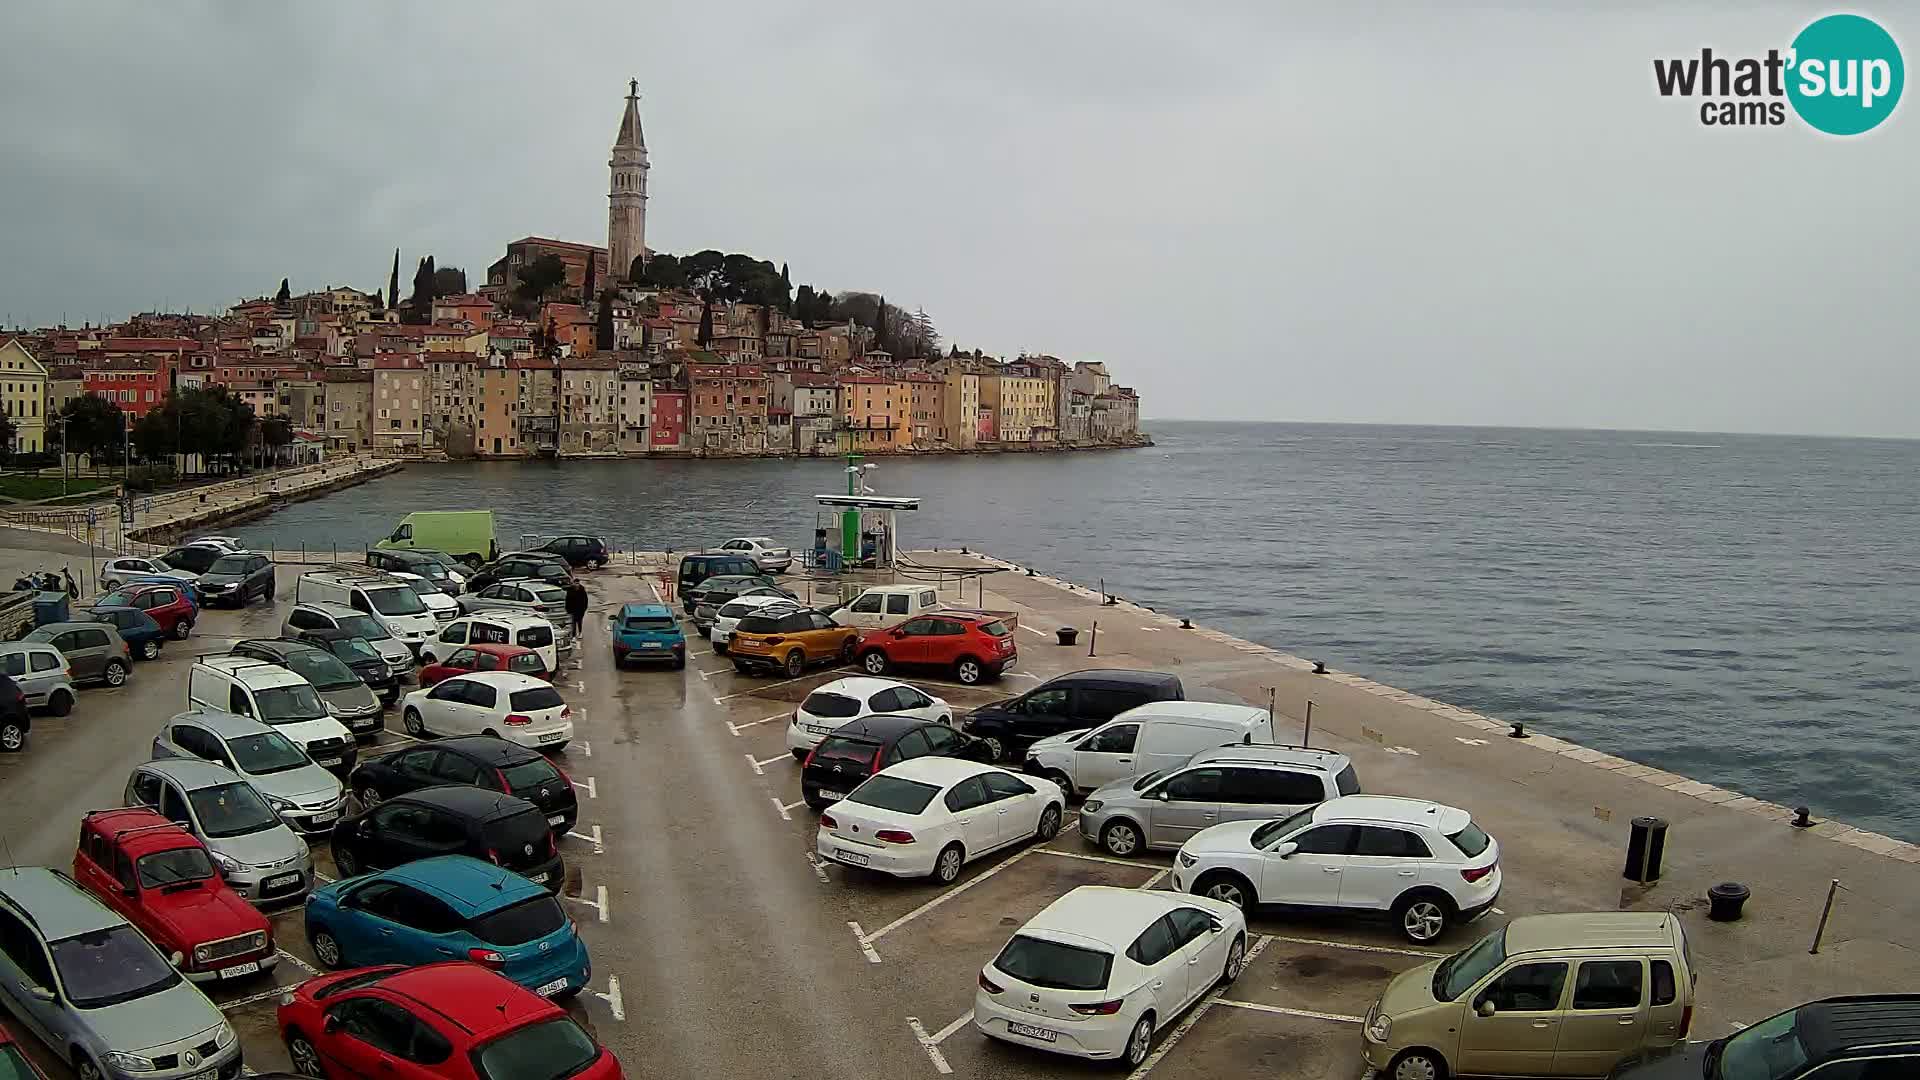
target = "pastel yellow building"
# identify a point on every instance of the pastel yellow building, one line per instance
(878, 413)
(23, 396)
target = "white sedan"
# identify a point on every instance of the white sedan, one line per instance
(929, 816)
(770, 556)
(117, 572)
(1098, 972)
(505, 704)
(826, 709)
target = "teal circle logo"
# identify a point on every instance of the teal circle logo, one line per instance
(1845, 74)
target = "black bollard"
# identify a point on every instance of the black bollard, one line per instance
(1725, 900)
(1646, 845)
(1067, 635)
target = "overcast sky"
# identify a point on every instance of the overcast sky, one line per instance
(1381, 213)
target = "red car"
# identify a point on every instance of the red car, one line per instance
(160, 877)
(14, 1064)
(974, 645)
(468, 659)
(167, 604)
(455, 1020)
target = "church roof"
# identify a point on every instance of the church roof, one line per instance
(630, 133)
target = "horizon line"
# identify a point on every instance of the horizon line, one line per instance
(1144, 421)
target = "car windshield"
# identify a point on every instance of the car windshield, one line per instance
(422, 586)
(13, 1066)
(192, 559)
(821, 703)
(1457, 973)
(1769, 1050)
(536, 697)
(527, 663)
(267, 752)
(235, 565)
(1274, 830)
(893, 793)
(650, 624)
(111, 966)
(363, 626)
(528, 920)
(164, 868)
(1470, 840)
(1054, 965)
(351, 649)
(321, 668)
(438, 558)
(528, 774)
(396, 601)
(545, 1051)
(289, 704)
(231, 809)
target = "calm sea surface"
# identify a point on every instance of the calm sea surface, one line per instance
(1741, 609)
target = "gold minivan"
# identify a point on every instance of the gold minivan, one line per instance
(1548, 995)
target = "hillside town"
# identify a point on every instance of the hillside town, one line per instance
(572, 350)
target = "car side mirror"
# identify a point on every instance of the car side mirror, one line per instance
(330, 1025)
(1484, 1008)
(1286, 849)
(176, 958)
(899, 633)
(1214, 926)
(40, 993)
(1163, 794)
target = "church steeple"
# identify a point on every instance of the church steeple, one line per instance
(627, 190)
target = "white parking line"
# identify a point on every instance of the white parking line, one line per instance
(612, 997)
(1278, 1011)
(1099, 858)
(959, 1022)
(866, 943)
(737, 728)
(779, 808)
(320, 877)
(590, 787)
(599, 905)
(270, 992)
(794, 805)
(819, 871)
(1155, 879)
(903, 920)
(754, 764)
(1353, 946)
(776, 759)
(1180, 1031)
(930, 1045)
(1033, 629)
(586, 747)
(771, 685)
(711, 674)
(297, 962)
(599, 845)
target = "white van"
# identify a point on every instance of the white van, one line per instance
(390, 601)
(522, 628)
(1148, 738)
(273, 695)
(888, 605)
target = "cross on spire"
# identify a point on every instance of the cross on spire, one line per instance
(633, 89)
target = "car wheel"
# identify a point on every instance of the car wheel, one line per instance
(181, 629)
(490, 733)
(1236, 959)
(1139, 1042)
(306, 1060)
(995, 747)
(799, 754)
(813, 800)
(946, 866)
(796, 664)
(150, 650)
(846, 651)
(1417, 1065)
(1121, 838)
(875, 662)
(1226, 888)
(679, 663)
(346, 862)
(84, 1067)
(326, 949)
(412, 722)
(1422, 917)
(741, 667)
(968, 671)
(1062, 781)
(115, 673)
(719, 648)
(13, 736)
(1049, 824)
(60, 703)
(369, 798)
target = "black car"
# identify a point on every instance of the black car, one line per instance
(546, 566)
(1083, 699)
(700, 566)
(1867, 1037)
(193, 558)
(579, 550)
(358, 654)
(721, 588)
(14, 721)
(237, 577)
(429, 565)
(860, 748)
(454, 819)
(478, 760)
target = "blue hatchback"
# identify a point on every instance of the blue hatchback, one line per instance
(137, 628)
(450, 907)
(647, 632)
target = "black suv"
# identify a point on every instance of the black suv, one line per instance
(579, 550)
(544, 565)
(476, 760)
(431, 566)
(1083, 699)
(724, 588)
(700, 566)
(451, 820)
(858, 749)
(237, 577)
(1870, 1037)
(357, 653)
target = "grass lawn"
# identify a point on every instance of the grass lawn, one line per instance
(30, 486)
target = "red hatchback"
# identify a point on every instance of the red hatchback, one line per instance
(468, 659)
(158, 875)
(453, 1020)
(167, 604)
(974, 645)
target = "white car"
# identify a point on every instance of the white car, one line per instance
(117, 572)
(1098, 972)
(1427, 864)
(843, 700)
(929, 816)
(444, 608)
(731, 612)
(505, 704)
(231, 543)
(533, 631)
(770, 556)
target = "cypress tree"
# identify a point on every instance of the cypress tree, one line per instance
(393, 282)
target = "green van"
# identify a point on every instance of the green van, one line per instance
(466, 535)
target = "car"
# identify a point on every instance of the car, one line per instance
(357, 653)
(766, 554)
(231, 543)
(194, 559)
(436, 566)
(466, 659)
(166, 604)
(1072, 702)
(98, 993)
(143, 636)
(719, 622)
(1163, 809)
(384, 598)
(579, 550)
(478, 760)
(94, 651)
(643, 631)
(440, 603)
(930, 816)
(522, 628)
(15, 723)
(449, 905)
(162, 879)
(1503, 1006)
(456, 1021)
(189, 586)
(305, 796)
(974, 646)
(465, 535)
(503, 704)
(887, 606)
(40, 673)
(258, 854)
(15, 1065)
(527, 595)
(715, 591)
(451, 819)
(271, 694)
(347, 696)
(863, 747)
(1861, 1037)
(1155, 737)
(827, 707)
(1428, 865)
(237, 577)
(788, 640)
(118, 571)
(1102, 969)
(328, 616)
(539, 565)
(697, 567)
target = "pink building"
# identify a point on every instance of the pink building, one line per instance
(668, 419)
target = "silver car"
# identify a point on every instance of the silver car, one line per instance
(117, 572)
(395, 652)
(97, 992)
(521, 594)
(258, 854)
(41, 673)
(1163, 810)
(307, 797)
(95, 651)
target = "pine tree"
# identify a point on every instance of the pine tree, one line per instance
(393, 283)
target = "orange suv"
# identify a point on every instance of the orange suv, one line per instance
(787, 639)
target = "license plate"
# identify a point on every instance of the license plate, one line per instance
(650, 645)
(326, 818)
(283, 879)
(553, 736)
(327, 761)
(537, 879)
(1032, 1032)
(247, 968)
(205, 1074)
(853, 858)
(550, 989)
(556, 820)
(832, 796)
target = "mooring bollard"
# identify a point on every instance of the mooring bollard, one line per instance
(1725, 900)
(1067, 635)
(1519, 731)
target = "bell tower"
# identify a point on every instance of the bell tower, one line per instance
(627, 190)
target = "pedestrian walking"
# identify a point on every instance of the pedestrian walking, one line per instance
(577, 607)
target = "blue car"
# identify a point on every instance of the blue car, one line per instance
(450, 907)
(646, 632)
(142, 635)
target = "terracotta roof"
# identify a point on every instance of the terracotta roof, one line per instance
(565, 244)
(135, 344)
(589, 363)
(725, 371)
(393, 362)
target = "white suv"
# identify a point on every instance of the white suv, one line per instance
(1426, 863)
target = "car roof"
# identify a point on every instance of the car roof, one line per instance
(1591, 930)
(191, 773)
(151, 832)
(222, 723)
(256, 674)
(486, 748)
(764, 600)
(495, 648)
(280, 646)
(943, 771)
(468, 885)
(1102, 913)
(1304, 757)
(25, 646)
(1196, 710)
(52, 628)
(638, 609)
(1115, 676)
(140, 585)
(964, 614)
(478, 1000)
(860, 686)
(1392, 810)
(504, 680)
(884, 727)
(510, 617)
(468, 800)
(1833, 1026)
(328, 607)
(58, 907)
